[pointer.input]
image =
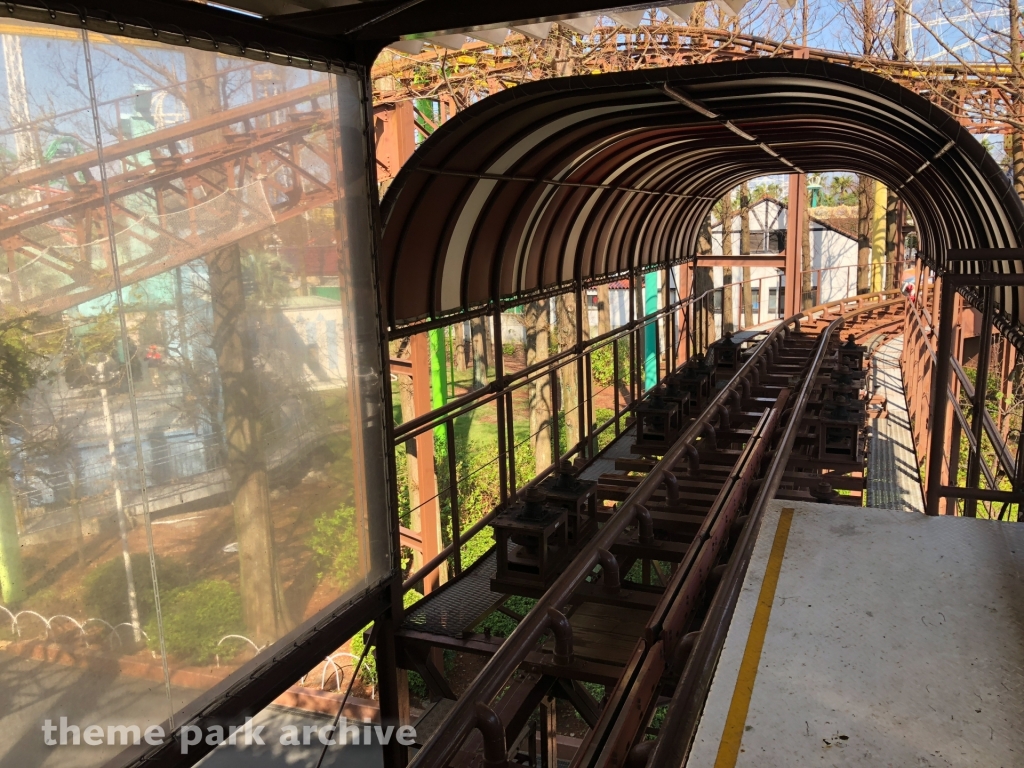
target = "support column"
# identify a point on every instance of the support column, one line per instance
(794, 229)
(548, 733)
(393, 686)
(430, 510)
(939, 403)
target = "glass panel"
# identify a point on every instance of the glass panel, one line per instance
(191, 474)
(479, 478)
(570, 414)
(531, 429)
(602, 378)
(517, 343)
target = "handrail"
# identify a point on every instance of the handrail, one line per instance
(446, 741)
(1002, 452)
(497, 389)
(492, 391)
(687, 702)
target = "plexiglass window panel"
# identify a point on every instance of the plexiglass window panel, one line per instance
(193, 460)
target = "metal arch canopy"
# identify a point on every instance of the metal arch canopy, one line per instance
(580, 178)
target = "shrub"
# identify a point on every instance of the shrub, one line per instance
(195, 618)
(508, 348)
(602, 367)
(335, 542)
(106, 587)
(368, 672)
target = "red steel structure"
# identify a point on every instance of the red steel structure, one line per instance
(548, 190)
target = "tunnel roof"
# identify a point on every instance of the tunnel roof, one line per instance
(586, 177)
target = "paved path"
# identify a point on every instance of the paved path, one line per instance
(33, 691)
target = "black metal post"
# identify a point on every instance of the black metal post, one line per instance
(395, 754)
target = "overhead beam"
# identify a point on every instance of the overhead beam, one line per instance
(441, 17)
(776, 260)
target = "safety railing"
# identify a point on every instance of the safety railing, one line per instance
(819, 286)
(675, 331)
(472, 710)
(968, 426)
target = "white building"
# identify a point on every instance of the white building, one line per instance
(833, 260)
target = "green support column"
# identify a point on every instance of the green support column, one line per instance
(438, 369)
(438, 387)
(651, 331)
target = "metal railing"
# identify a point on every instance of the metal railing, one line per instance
(472, 710)
(682, 327)
(996, 463)
(845, 280)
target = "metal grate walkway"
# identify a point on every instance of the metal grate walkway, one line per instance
(605, 465)
(460, 605)
(894, 480)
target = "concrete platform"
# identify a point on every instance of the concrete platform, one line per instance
(868, 637)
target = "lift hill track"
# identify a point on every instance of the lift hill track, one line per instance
(687, 514)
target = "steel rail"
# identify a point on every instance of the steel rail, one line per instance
(687, 702)
(611, 741)
(447, 740)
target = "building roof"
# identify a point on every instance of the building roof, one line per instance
(584, 177)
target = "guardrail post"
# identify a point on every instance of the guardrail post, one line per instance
(940, 382)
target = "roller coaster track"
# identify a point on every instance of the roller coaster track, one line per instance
(977, 95)
(177, 193)
(698, 507)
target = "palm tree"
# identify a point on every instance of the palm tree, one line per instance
(842, 189)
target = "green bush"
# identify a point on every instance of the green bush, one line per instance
(195, 618)
(602, 367)
(368, 672)
(335, 542)
(508, 348)
(502, 625)
(106, 587)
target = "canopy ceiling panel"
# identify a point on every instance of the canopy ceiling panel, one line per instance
(581, 178)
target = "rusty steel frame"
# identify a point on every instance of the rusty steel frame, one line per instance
(974, 96)
(944, 402)
(679, 317)
(172, 179)
(465, 716)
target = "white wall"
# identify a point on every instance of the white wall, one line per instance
(831, 251)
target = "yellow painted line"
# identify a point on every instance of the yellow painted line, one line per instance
(729, 749)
